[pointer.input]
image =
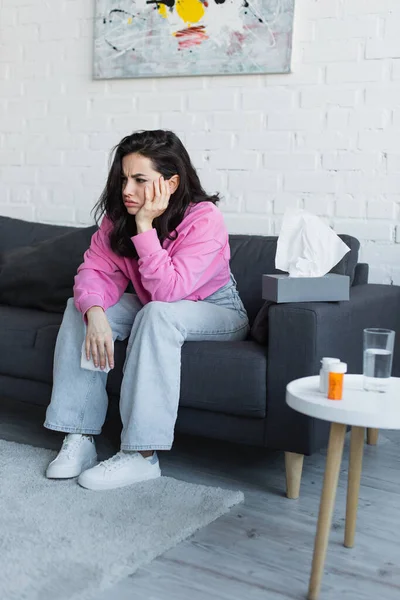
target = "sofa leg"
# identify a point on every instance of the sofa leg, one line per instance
(294, 468)
(372, 436)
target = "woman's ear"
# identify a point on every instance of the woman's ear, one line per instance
(173, 183)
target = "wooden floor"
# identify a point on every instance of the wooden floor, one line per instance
(262, 549)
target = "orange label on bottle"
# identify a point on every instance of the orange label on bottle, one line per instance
(335, 386)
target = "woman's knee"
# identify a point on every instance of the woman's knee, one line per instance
(156, 309)
(160, 312)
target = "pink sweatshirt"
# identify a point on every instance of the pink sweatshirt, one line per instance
(191, 267)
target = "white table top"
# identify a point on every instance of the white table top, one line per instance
(357, 407)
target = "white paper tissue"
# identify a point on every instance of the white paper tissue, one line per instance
(307, 247)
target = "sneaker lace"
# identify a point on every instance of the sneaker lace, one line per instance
(70, 446)
(117, 461)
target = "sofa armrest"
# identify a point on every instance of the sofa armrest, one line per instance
(300, 335)
(361, 274)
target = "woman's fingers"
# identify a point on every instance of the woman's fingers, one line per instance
(147, 196)
(157, 188)
(87, 348)
(162, 195)
(93, 350)
(98, 341)
(156, 199)
(110, 353)
(102, 354)
(167, 192)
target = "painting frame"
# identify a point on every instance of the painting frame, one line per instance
(151, 38)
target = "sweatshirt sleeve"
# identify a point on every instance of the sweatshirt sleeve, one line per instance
(99, 281)
(172, 278)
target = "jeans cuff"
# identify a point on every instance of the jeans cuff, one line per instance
(71, 429)
(142, 447)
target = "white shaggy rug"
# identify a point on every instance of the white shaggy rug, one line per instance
(59, 541)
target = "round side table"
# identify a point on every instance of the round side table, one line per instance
(360, 409)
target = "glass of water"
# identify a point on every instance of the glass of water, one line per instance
(378, 358)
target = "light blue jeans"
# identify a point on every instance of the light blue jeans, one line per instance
(150, 387)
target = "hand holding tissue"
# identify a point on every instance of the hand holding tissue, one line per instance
(307, 249)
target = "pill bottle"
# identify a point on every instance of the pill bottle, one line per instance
(323, 374)
(335, 380)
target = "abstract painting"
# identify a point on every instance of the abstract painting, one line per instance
(161, 38)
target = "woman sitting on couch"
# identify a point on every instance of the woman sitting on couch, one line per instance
(163, 233)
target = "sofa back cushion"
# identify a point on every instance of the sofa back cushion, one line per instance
(38, 263)
(39, 271)
(15, 233)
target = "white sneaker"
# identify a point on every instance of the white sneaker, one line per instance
(124, 468)
(77, 453)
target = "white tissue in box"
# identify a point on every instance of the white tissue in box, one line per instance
(307, 246)
(89, 364)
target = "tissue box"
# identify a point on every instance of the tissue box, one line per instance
(329, 288)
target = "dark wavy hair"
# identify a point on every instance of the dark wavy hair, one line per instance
(169, 157)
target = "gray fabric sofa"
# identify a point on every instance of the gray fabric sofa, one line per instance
(232, 391)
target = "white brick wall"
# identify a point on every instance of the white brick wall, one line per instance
(325, 138)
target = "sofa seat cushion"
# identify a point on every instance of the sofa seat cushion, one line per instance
(225, 377)
(27, 342)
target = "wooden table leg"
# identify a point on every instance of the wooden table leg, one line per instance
(353, 486)
(293, 467)
(333, 462)
(372, 436)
